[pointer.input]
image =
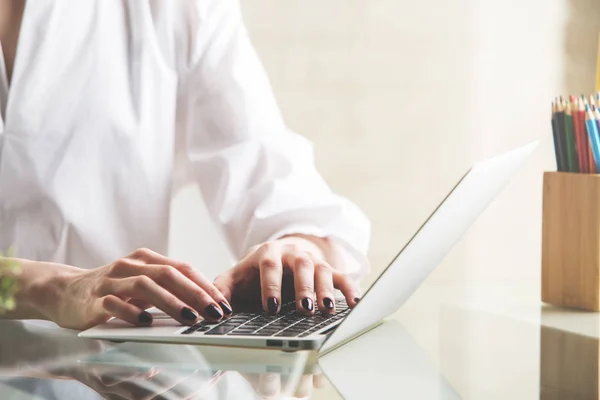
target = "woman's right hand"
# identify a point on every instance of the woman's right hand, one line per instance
(80, 299)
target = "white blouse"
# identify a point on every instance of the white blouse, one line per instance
(114, 105)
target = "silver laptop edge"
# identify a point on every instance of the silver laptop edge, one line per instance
(419, 257)
(430, 244)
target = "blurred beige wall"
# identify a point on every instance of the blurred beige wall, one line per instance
(401, 97)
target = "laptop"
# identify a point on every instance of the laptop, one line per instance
(291, 331)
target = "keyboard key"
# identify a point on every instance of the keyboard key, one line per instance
(243, 315)
(287, 333)
(258, 333)
(241, 330)
(278, 326)
(303, 325)
(267, 332)
(194, 328)
(310, 322)
(221, 330)
(238, 320)
(295, 327)
(252, 325)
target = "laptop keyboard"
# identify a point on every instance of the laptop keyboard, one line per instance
(288, 323)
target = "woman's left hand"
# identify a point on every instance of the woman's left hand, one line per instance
(285, 269)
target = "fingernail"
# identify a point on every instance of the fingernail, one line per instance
(307, 304)
(188, 314)
(226, 308)
(145, 317)
(213, 312)
(356, 299)
(328, 303)
(272, 305)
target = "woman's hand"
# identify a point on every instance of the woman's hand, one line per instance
(80, 299)
(282, 270)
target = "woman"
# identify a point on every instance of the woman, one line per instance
(110, 106)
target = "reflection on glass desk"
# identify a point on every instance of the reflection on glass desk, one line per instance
(57, 364)
(462, 353)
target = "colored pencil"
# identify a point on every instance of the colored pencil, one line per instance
(597, 116)
(559, 115)
(589, 157)
(558, 147)
(560, 119)
(587, 149)
(589, 136)
(571, 139)
(592, 129)
(580, 136)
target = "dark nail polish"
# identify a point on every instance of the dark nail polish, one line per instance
(213, 312)
(225, 307)
(356, 299)
(272, 305)
(188, 314)
(307, 304)
(328, 303)
(145, 317)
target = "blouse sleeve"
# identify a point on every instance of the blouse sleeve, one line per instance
(257, 177)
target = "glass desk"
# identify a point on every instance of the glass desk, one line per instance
(473, 347)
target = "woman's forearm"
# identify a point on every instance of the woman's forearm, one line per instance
(38, 287)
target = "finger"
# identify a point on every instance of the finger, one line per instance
(269, 385)
(192, 274)
(143, 287)
(141, 304)
(319, 381)
(271, 273)
(179, 285)
(304, 280)
(224, 283)
(304, 388)
(126, 311)
(324, 287)
(211, 289)
(348, 287)
(144, 254)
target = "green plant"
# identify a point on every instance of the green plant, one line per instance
(9, 270)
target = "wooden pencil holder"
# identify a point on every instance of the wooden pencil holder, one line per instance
(571, 240)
